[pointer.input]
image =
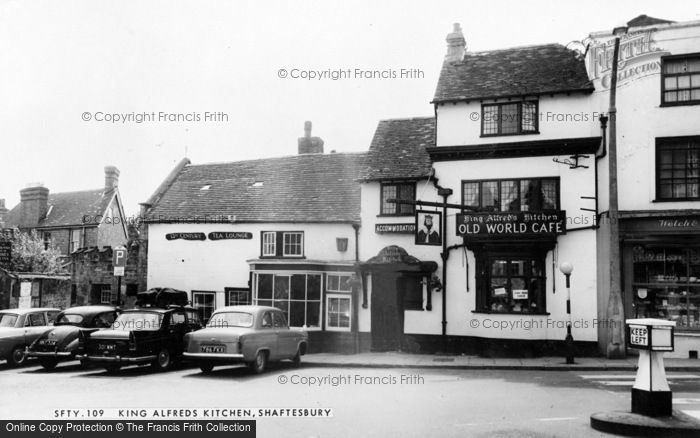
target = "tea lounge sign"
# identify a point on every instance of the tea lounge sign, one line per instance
(214, 235)
(511, 225)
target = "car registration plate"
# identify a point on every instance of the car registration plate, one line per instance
(107, 347)
(49, 342)
(213, 349)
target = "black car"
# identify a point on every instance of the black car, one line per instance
(144, 335)
(61, 342)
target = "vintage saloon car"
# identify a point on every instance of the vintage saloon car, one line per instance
(152, 333)
(19, 328)
(252, 335)
(61, 342)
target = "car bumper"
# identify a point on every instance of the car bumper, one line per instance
(118, 359)
(214, 357)
(56, 354)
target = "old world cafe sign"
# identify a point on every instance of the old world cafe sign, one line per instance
(511, 224)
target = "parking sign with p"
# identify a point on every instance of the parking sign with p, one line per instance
(119, 260)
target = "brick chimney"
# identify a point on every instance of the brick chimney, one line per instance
(456, 45)
(33, 205)
(309, 144)
(111, 178)
(3, 212)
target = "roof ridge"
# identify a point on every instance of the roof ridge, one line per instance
(102, 189)
(407, 118)
(525, 46)
(211, 163)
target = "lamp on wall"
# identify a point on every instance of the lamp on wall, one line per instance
(433, 283)
(341, 243)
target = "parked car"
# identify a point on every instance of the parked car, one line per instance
(61, 342)
(19, 328)
(144, 335)
(254, 335)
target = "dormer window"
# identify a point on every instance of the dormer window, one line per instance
(509, 118)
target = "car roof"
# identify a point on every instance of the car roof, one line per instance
(30, 310)
(88, 310)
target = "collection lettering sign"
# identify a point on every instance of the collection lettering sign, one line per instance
(224, 235)
(395, 228)
(511, 224)
(186, 236)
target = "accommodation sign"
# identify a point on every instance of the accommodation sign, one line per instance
(511, 224)
(395, 228)
(224, 235)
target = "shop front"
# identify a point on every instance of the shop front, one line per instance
(661, 272)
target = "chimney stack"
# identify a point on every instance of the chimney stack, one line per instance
(111, 178)
(456, 45)
(3, 212)
(33, 205)
(309, 144)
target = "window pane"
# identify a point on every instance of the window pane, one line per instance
(529, 122)
(313, 311)
(498, 267)
(298, 291)
(683, 81)
(281, 287)
(670, 96)
(683, 95)
(490, 119)
(549, 193)
(296, 313)
(694, 65)
(671, 83)
(470, 193)
(489, 195)
(510, 200)
(388, 192)
(407, 192)
(313, 287)
(264, 286)
(509, 119)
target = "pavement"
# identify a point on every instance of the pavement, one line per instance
(406, 360)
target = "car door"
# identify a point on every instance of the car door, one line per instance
(34, 326)
(267, 336)
(286, 345)
(177, 329)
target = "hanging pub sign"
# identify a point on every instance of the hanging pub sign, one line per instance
(395, 228)
(428, 227)
(186, 236)
(226, 235)
(510, 225)
(5, 254)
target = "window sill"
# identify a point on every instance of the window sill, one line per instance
(397, 215)
(511, 313)
(282, 257)
(655, 201)
(685, 103)
(509, 135)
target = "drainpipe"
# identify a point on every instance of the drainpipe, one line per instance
(356, 227)
(445, 193)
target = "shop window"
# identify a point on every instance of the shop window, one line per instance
(298, 296)
(338, 312)
(680, 80)
(36, 294)
(666, 284)
(75, 239)
(510, 118)
(205, 303)
(403, 191)
(678, 168)
(292, 244)
(512, 285)
(338, 283)
(236, 296)
(532, 194)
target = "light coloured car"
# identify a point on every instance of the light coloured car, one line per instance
(254, 335)
(20, 327)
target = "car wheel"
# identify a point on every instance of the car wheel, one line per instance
(112, 368)
(258, 366)
(48, 363)
(206, 367)
(296, 360)
(84, 363)
(163, 361)
(17, 357)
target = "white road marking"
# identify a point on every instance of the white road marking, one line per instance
(695, 414)
(632, 376)
(686, 401)
(558, 419)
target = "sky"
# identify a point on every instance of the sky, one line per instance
(143, 84)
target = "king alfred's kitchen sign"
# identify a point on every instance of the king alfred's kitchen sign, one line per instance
(511, 225)
(214, 235)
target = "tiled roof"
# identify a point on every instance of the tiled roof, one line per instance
(543, 69)
(645, 20)
(69, 208)
(398, 149)
(300, 188)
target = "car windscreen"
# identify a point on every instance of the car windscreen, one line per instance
(230, 319)
(8, 319)
(69, 319)
(138, 321)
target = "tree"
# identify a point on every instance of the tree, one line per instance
(30, 255)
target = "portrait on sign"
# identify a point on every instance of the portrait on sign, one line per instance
(428, 227)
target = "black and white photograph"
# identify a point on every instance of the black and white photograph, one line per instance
(389, 218)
